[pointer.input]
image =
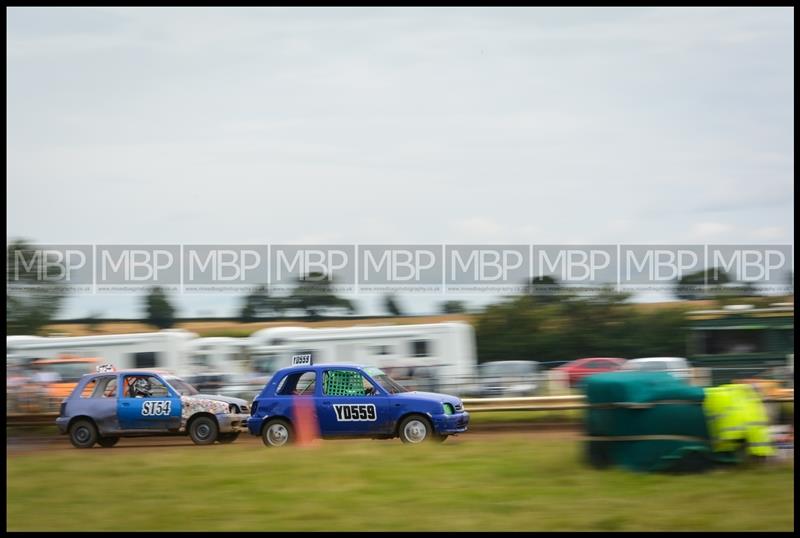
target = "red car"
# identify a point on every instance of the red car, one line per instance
(580, 368)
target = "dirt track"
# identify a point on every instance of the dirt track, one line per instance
(24, 444)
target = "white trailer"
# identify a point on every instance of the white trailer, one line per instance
(164, 349)
(449, 347)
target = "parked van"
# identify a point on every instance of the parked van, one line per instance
(446, 350)
(164, 349)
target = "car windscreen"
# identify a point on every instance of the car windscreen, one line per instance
(182, 387)
(652, 366)
(387, 383)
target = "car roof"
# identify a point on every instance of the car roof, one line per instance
(649, 359)
(324, 365)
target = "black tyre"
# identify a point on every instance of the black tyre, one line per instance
(415, 429)
(107, 442)
(226, 438)
(277, 432)
(83, 434)
(203, 430)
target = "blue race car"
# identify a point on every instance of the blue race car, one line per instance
(352, 401)
(111, 404)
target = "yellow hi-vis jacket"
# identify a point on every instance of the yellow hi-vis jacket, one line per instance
(736, 414)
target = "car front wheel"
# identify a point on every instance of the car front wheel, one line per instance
(203, 431)
(83, 434)
(277, 432)
(415, 429)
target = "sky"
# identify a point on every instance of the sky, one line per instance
(405, 125)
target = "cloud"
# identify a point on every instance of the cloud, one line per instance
(703, 231)
(768, 233)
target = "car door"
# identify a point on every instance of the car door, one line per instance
(350, 404)
(160, 410)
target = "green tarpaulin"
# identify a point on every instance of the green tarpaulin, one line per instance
(646, 421)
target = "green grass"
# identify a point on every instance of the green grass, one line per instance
(479, 483)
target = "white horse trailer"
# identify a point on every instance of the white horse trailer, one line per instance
(448, 348)
(165, 349)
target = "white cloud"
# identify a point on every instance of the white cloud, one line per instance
(768, 233)
(703, 231)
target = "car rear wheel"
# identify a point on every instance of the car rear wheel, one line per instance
(277, 433)
(415, 429)
(83, 434)
(203, 431)
(226, 438)
(107, 442)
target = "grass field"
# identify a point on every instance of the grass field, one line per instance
(486, 482)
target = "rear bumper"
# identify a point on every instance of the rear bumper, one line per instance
(254, 425)
(232, 423)
(451, 424)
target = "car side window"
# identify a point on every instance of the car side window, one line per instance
(145, 386)
(106, 387)
(297, 384)
(346, 383)
(89, 389)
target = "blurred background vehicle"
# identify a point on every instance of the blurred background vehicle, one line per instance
(416, 378)
(424, 357)
(677, 366)
(165, 349)
(578, 369)
(740, 340)
(55, 378)
(509, 378)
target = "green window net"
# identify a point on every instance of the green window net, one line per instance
(343, 383)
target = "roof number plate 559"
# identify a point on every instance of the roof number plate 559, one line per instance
(301, 360)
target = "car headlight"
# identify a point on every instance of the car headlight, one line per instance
(448, 408)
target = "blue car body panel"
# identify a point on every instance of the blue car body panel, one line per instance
(374, 415)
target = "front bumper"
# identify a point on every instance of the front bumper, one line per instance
(232, 423)
(451, 424)
(61, 424)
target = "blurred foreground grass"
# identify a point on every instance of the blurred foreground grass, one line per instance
(488, 482)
